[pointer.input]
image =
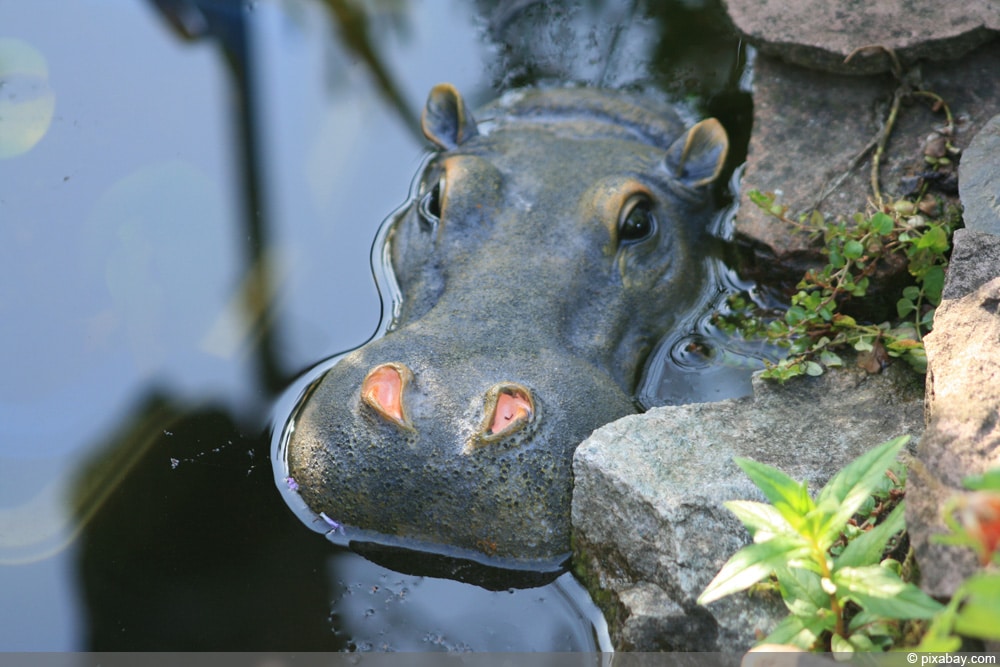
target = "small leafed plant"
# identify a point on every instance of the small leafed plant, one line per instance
(814, 326)
(842, 594)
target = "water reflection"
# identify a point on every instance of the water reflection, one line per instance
(189, 231)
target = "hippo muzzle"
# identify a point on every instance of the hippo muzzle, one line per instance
(541, 256)
(451, 446)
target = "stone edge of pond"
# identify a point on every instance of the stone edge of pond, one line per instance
(650, 530)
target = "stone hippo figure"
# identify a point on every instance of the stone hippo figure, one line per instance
(543, 253)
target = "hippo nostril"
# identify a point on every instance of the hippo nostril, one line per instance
(382, 390)
(507, 409)
(511, 408)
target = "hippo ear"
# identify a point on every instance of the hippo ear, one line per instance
(697, 157)
(445, 120)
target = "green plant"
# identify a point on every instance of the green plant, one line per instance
(974, 609)
(815, 327)
(842, 594)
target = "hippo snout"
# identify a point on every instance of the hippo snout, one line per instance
(508, 407)
(442, 445)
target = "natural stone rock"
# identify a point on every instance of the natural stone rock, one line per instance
(810, 135)
(963, 401)
(650, 530)
(821, 34)
(979, 180)
(975, 260)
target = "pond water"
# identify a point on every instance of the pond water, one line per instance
(189, 190)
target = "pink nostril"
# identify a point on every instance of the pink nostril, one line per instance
(508, 408)
(511, 408)
(382, 389)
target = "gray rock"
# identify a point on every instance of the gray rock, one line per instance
(821, 34)
(975, 260)
(979, 180)
(650, 530)
(810, 129)
(963, 400)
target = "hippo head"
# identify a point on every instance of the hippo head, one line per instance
(545, 250)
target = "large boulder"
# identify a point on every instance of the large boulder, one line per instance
(650, 529)
(822, 34)
(963, 403)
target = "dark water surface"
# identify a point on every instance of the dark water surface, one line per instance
(189, 190)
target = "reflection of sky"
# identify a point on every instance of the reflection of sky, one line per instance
(121, 240)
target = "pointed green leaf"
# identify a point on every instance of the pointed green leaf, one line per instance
(979, 617)
(988, 481)
(802, 591)
(880, 591)
(751, 564)
(762, 520)
(788, 496)
(799, 631)
(867, 549)
(840, 645)
(850, 487)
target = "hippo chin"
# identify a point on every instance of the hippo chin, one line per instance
(545, 250)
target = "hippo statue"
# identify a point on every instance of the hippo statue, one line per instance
(545, 249)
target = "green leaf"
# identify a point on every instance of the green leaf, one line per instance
(853, 249)
(979, 617)
(904, 307)
(867, 548)
(802, 591)
(830, 359)
(880, 591)
(882, 224)
(788, 496)
(934, 284)
(988, 481)
(934, 239)
(912, 292)
(751, 564)
(814, 369)
(761, 519)
(798, 631)
(760, 199)
(850, 487)
(840, 645)
(795, 314)
(861, 642)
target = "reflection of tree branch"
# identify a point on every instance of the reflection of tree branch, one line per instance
(225, 22)
(352, 24)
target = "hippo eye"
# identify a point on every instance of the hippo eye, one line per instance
(637, 222)
(430, 205)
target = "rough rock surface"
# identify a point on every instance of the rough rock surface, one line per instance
(809, 129)
(979, 180)
(963, 400)
(650, 530)
(821, 34)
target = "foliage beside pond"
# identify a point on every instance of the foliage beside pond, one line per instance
(835, 559)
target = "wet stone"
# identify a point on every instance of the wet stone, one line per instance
(821, 34)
